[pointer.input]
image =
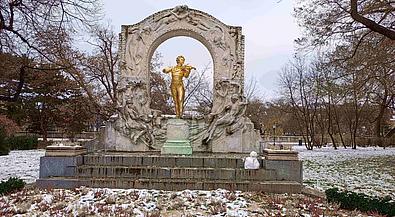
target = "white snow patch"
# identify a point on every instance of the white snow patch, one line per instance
(24, 164)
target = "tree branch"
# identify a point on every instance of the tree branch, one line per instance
(370, 23)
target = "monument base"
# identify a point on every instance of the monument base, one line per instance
(177, 147)
(150, 170)
(177, 138)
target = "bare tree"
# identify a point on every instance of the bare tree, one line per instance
(21, 21)
(328, 23)
(299, 88)
(23, 24)
(101, 66)
(199, 95)
(251, 89)
(160, 86)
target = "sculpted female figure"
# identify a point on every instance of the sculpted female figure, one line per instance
(178, 72)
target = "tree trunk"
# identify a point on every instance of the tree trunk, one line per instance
(379, 120)
(333, 140)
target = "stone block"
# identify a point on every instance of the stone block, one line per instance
(209, 162)
(58, 166)
(149, 173)
(163, 173)
(177, 129)
(157, 185)
(133, 161)
(164, 161)
(226, 163)
(178, 147)
(255, 175)
(147, 161)
(199, 174)
(286, 170)
(226, 174)
(181, 173)
(240, 163)
(197, 162)
(60, 183)
(183, 162)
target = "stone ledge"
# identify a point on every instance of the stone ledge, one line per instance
(172, 184)
(286, 155)
(60, 182)
(64, 151)
(236, 174)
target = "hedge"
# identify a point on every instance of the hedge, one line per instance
(11, 185)
(22, 142)
(365, 203)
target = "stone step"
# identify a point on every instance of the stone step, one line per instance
(165, 161)
(235, 174)
(174, 184)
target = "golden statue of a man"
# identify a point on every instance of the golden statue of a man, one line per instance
(178, 72)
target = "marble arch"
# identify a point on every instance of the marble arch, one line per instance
(137, 127)
(225, 44)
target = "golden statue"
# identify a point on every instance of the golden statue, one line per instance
(177, 86)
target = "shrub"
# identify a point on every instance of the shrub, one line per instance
(351, 200)
(12, 184)
(4, 149)
(22, 142)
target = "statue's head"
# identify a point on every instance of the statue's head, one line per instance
(180, 60)
(234, 98)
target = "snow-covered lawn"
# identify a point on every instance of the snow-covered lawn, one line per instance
(367, 170)
(21, 164)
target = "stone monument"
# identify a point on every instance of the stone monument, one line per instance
(137, 127)
(142, 148)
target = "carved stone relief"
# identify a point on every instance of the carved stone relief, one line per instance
(229, 118)
(134, 119)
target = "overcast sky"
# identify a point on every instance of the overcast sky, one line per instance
(268, 27)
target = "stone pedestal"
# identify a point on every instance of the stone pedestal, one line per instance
(177, 138)
(286, 164)
(58, 168)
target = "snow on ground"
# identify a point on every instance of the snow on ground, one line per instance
(368, 170)
(145, 203)
(23, 164)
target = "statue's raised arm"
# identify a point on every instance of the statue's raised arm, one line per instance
(167, 69)
(187, 70)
